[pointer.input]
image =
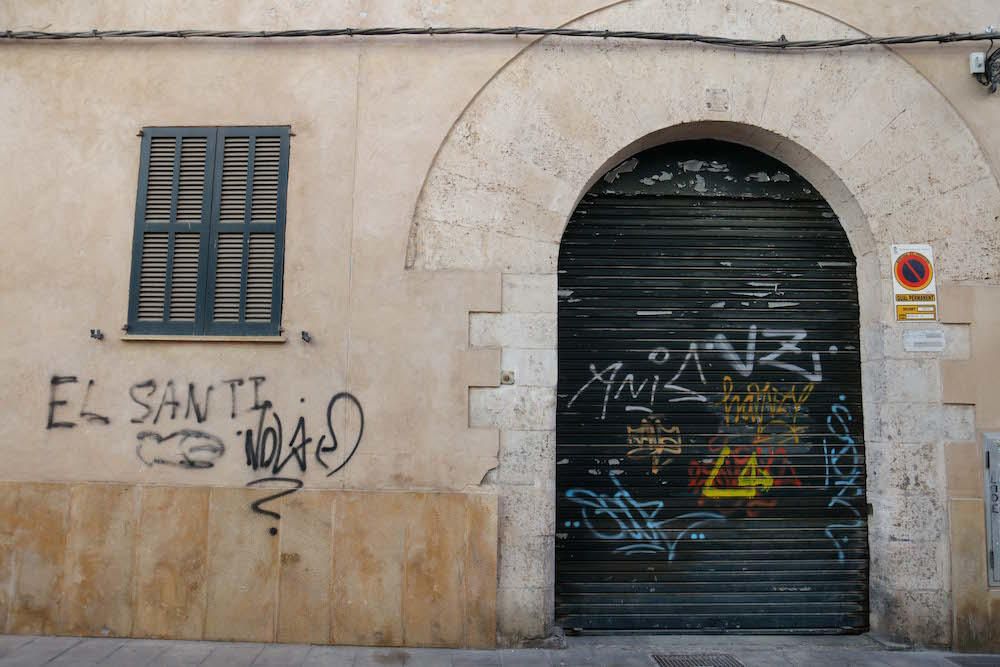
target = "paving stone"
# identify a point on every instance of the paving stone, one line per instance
(282, 655)
(381, 657)
(10, 643)
(476, 659)
(233, 655)
(526, 658)
(136, 653)
(430, 657)
(183, 653)
(39, 651)
(88, 652)
(330, 656)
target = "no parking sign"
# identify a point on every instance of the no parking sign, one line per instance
(913, 284)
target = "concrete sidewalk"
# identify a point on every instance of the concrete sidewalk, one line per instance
(24, 651)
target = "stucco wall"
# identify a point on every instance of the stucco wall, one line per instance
(430, 182)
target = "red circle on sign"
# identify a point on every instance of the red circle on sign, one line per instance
(913, 271)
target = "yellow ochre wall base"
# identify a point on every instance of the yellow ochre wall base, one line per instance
(344, 567)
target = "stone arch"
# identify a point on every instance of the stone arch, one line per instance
(514, 164)
(884, 148)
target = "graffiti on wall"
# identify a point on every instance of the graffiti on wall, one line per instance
(722, 435)
(167, 416)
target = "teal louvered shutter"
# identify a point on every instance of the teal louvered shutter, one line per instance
(207, 255)
(171, 239)
(247, 248)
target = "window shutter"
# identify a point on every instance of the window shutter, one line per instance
(172, 219)
(248, 237)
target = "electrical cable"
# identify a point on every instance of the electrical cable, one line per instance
(780, 44)
(991, 77)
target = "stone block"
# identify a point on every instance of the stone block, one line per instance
(171, 559)
(959, 382)
(915, 468)
(527, 561)
(242, 568)
(527, 458)
(957, 303)
(524, 330)
(369, 538)
(965, 464)
(532, 368)
(957, 340)
(432, 578)
(304, 584)
(481, 368)
(910, 517)
(529, 293)
(97, 587)
(932, 422)
(924, 564)
(521, 613)
(968, 575)
(480, 571)
(919, 618)
(8, 550)
(513, 407)
(916, 381)
(526, 511)
(40, 544)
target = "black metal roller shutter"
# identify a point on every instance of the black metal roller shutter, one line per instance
(710, 448)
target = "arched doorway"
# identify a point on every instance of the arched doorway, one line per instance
(710, 442)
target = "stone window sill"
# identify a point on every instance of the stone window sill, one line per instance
(169, 338)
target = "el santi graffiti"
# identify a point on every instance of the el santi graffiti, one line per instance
(168, 416)
(724, 430)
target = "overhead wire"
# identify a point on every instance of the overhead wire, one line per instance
(781, 43)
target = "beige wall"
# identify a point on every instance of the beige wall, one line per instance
(430, 181)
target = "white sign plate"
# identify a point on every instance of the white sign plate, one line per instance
(923, 340)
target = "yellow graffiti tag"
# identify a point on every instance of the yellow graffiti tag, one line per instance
(767, 407)
(750, 479)
(654, 441)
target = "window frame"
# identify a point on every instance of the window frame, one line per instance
(203, 326)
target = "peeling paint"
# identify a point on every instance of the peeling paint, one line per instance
(759, 295)
(719, 304)
(654, 312)
(759, 176)
(782, 304)
(699, 184)
(824, 265)
(781, 177)
(625, 167)
(562, 462)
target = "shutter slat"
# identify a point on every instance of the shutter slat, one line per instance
(228, 278)
(266, 165)
(260, 277)
(184, 284)
(191, 187)
(235, 162)
(152, 275)
(160, 180)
